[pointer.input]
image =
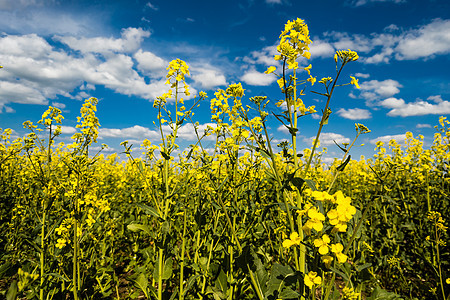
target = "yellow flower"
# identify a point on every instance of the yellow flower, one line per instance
(312, 80)
(60, 243)
(354, 82)
(294, 240)
(281, 82)
(270, 69)
(312, 279)
(337, 250)
(349, 293)
(308, 69)
(322, 244)
(315, 221)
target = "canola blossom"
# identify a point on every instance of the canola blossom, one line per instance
(241, 219)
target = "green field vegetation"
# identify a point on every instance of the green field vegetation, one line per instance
(246, 220)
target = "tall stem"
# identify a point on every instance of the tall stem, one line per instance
(324, 116)
(183, 248)
(42, 261)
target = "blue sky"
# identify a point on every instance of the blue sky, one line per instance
(60, 52)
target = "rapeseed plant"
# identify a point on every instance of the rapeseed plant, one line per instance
(239, 220)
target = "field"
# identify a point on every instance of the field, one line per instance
(248, 220)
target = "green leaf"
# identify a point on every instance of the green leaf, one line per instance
(140, 166)
(344, 164)
(12, 291)
(381, 294)
(167, 271)
(148, 210)
(142, 283)
(281, 278)
(278, 117)
(362, 267)
(292, 130)
(340, 147)
(164, 154)
(221, 281)
(190, 283)
(3, 268)
(137, 227)
(288, 293)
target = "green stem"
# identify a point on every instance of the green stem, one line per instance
(41, 288)
(183, 248)
(160, 272)
(324, 115)
(75, 252)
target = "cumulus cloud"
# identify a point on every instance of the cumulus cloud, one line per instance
(354, 113)
(386, 138)
(424, 42)
(138, 133)
(208, 78)
(418, 108)
(262, 57)
(374, 90)
(19, 93)
(35, 71)
(150, 64)
(362, 75)
(431, 39)
(365, 2)
(253, 77)
(328, 138)
(68, 129)
(321, 48)
(130, 41)
(130, 132)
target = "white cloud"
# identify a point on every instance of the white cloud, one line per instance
(321, 48)
(263, 57)
(356, 42)
(423, 126)
(152, 6)
(392, 103)
(40, 17)
(395, 43)
(354, 113)
(187, 131)
(328, 138)
(137, 133)
(436, 99)
(374, 90)
(253, 77)
(365, 2)
(35, 71)
(418, 108)
(131, 132)
(68, 129)
(129, 42)
(386, 138)
(208, 78)
(428, 40)
(362, 75)
(58, 105)
(151, 64)
(20, 93)
(283, 129)
(273, 1)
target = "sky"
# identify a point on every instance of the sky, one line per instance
(58, 53)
